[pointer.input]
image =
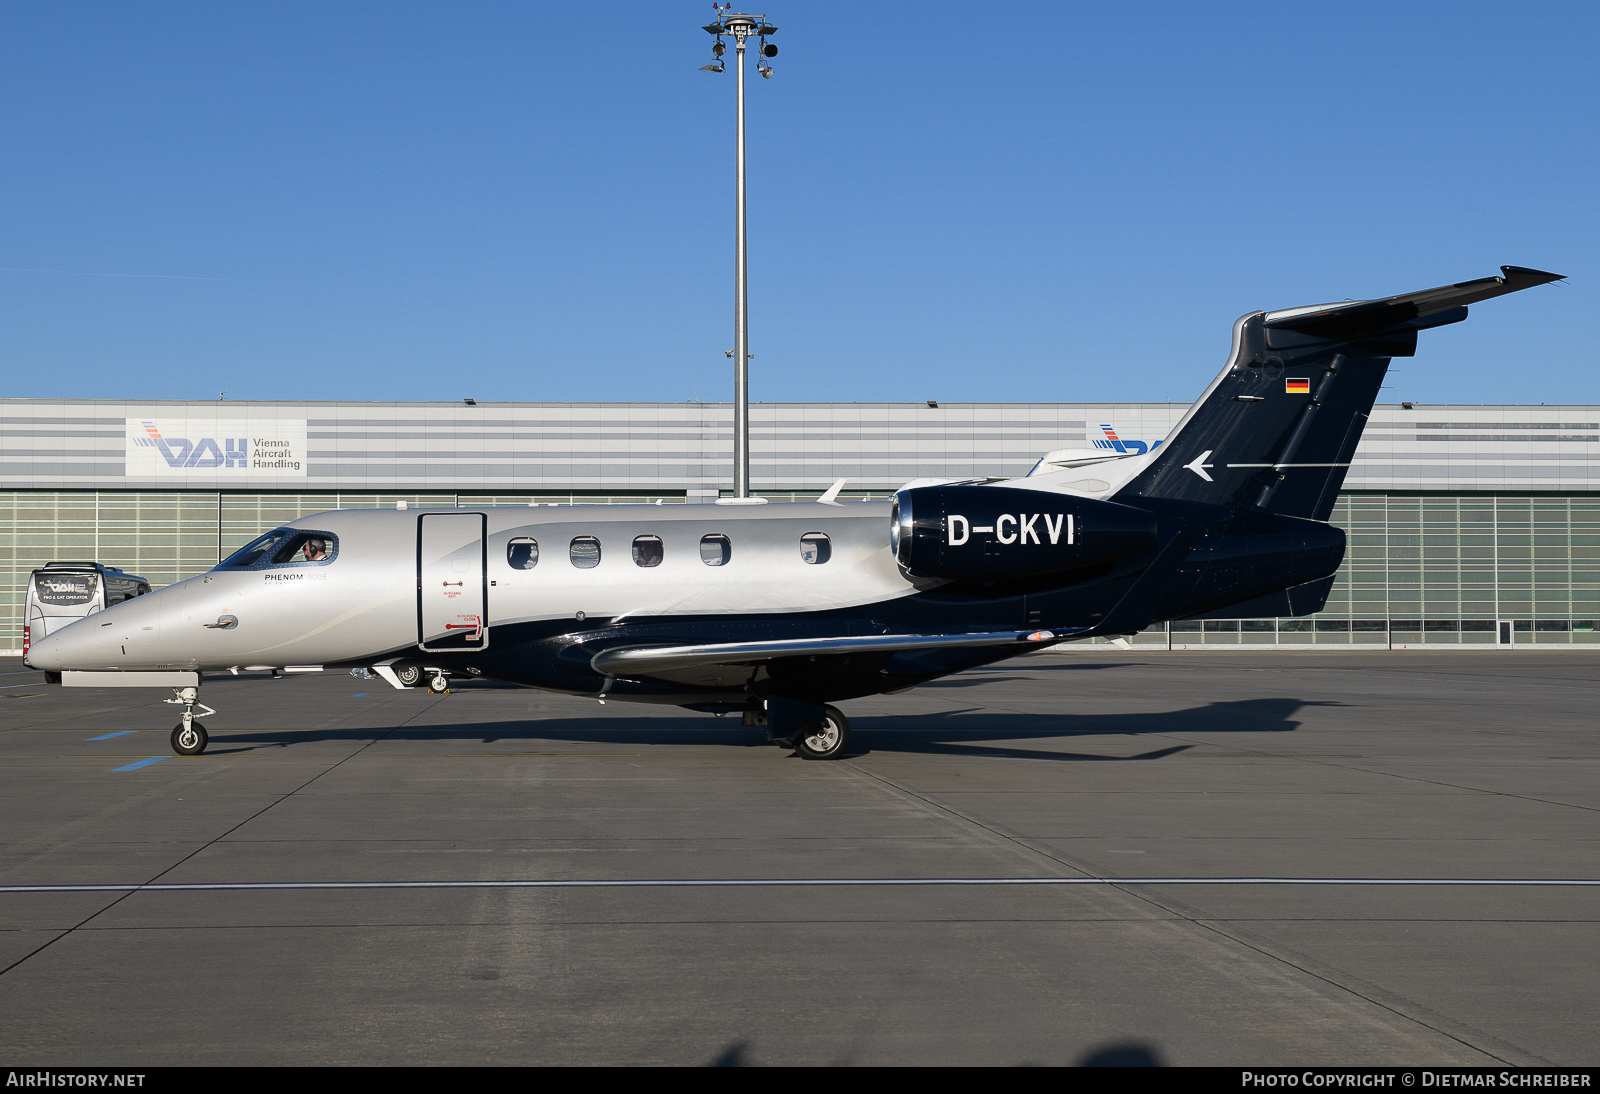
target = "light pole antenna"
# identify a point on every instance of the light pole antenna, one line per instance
(740, 26)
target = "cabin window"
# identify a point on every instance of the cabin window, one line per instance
(648, 551)
(522, 553)
(586, 552)
(715, 549)
(815, 548)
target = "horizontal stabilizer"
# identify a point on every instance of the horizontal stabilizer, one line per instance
(652, 660)
(1277, 430)
(1364, 317)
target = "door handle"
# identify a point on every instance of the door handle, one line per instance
(223, 623)
(454, 583)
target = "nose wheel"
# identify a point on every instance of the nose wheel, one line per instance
(189, 737)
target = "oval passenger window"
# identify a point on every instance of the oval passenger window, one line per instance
(815, 548)
(522, 553)
(586, 552)
(647, 551)
(715, 549)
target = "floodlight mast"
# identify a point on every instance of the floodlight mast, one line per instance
(740, 26)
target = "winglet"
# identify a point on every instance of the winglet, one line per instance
(830, 496)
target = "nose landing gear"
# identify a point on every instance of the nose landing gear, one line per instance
(189, 737)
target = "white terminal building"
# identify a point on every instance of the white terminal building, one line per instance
(1460, 518)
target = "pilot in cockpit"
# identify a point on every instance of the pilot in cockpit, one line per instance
(315, 550)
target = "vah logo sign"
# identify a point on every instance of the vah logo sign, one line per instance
(216, 448)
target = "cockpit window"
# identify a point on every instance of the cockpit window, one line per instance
(254, 551)
(283, 547)
(305, 547)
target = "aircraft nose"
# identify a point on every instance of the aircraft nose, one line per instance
(66, 649)
(120, 637)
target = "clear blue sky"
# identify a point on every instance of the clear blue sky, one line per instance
(1020, 201)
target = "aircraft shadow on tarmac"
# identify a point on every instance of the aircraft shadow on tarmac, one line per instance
(973, 678)
(1125, 1054)
(966, 732)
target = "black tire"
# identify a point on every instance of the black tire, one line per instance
(828, 744)
(439, 684)
(190, 743)
(410, 676)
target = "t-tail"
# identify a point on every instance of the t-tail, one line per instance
(1277, 429)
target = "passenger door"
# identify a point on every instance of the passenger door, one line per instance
(452, 585)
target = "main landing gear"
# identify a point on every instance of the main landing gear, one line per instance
(828, 742)
(189, 737)
(796, 724)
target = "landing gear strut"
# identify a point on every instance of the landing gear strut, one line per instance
(189, 737)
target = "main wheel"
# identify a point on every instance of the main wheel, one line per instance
(827, 743)
(189, 740)
(410, 676)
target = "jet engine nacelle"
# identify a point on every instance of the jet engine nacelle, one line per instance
(987, 533)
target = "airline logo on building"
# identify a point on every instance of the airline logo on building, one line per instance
(1116, 444)
(218, 449)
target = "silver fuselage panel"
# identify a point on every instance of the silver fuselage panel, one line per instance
(391, 584)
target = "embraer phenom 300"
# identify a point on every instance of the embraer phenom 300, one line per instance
(777, 611)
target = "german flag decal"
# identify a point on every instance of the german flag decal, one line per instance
(1296, 387)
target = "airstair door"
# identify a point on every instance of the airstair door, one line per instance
(452, 582)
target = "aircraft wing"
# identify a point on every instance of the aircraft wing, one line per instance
(655, 660)
(1131, 613)
(1363, 317)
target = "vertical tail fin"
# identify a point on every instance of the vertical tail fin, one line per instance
(1276, 430)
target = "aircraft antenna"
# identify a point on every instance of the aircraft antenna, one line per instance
(740, 26)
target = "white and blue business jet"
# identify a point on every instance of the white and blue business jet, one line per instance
(777, 612)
